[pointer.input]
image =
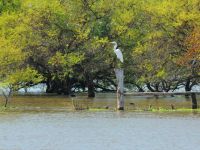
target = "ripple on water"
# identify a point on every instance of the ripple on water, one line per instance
(98, 130)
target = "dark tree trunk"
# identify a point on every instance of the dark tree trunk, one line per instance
(194, 101)
(66, 86)
(157, 87)
(187, 87)
(90, 85)
(48, 86)
(149, 87)
(165, 86)
(6, 101)
(52, 86)
(59, 86)
(140, 89)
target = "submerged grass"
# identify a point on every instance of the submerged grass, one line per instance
(7, 109)
(97, 109)
(173, 110)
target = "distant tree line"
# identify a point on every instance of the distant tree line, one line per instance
(66, 44)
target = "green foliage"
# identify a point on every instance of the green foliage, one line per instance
(22, 78)
(70, 39)
(62, 64)
(9, 5)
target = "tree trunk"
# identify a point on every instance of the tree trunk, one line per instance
(149, 87)
(140, 89)
(26, 90)
(157, 87)
(66, 87)
(187, 87)
(194, 101)
(50, 86)
(90, 85)
(7, 97)
(6, 101)
(120, 88)
(59, 86)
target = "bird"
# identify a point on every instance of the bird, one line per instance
(118, 52)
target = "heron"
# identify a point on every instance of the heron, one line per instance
(118, 52)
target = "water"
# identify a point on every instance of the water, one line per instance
(98, 131)
(53, 102)
(49, 123)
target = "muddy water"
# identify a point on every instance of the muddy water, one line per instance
(60, 103)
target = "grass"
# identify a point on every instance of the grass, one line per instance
(7, 109)
(174, 110)
(159, 110)
(97, 109)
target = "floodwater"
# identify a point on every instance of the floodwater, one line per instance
(98, 131)
(63, 103)
(52, 125)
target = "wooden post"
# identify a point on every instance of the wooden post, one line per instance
(194, 101)
(120, 88)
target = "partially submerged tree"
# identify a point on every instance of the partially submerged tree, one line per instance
(67, 42)
(14, 72)
(18, 79)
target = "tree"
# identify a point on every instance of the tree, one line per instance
(14, 72)
(68, 42)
